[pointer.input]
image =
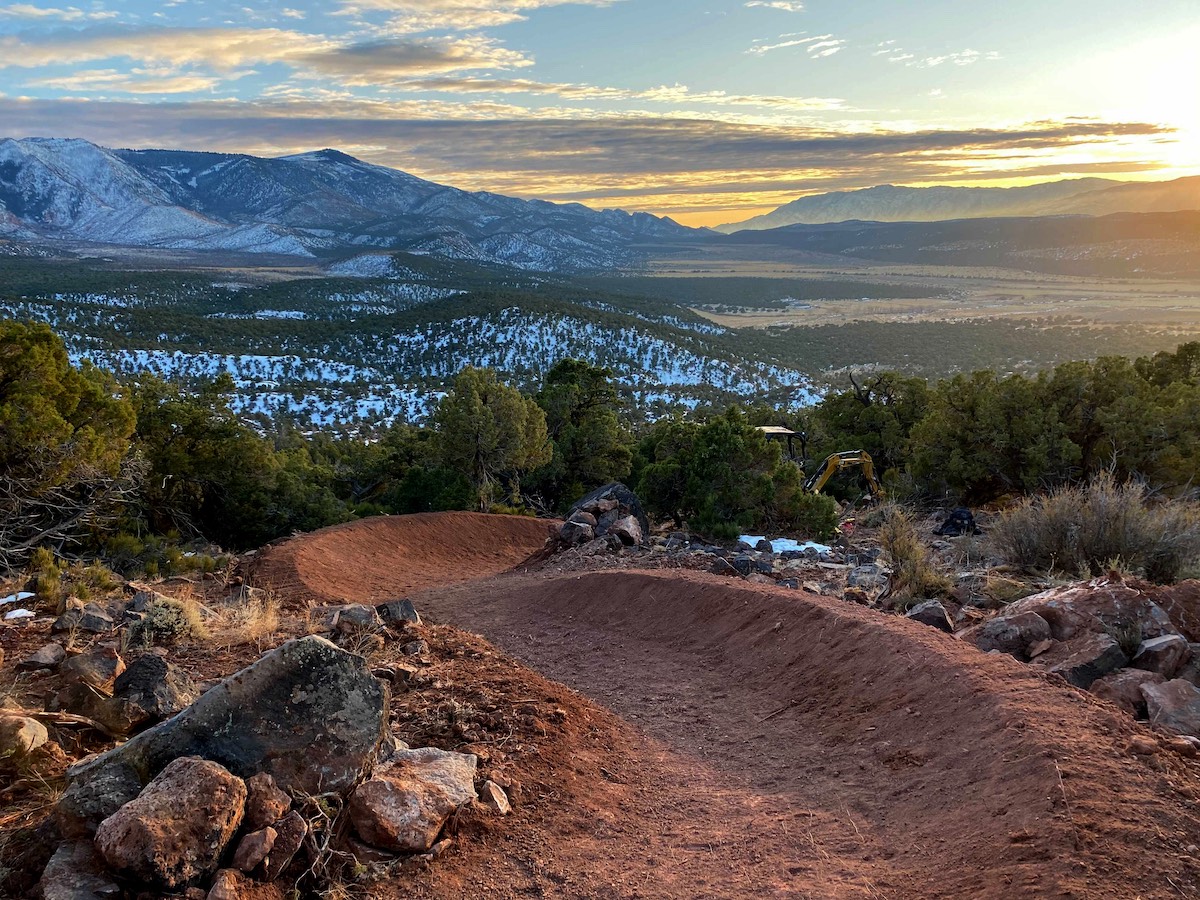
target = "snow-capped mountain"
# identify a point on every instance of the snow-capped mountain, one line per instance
(320, 203)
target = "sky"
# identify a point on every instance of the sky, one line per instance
(709, 111)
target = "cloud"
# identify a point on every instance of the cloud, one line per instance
(818, 46)
(785, 5)
(412, 16)
(960, 58)
(136, 81)
(68, 14)
(386, 61)
(661, 163)
(222, 49)
(227, 51)
(676, 94)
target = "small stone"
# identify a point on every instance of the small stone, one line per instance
(48, 657)
(290, 832)
(91, 618)
(97, 668)
(397, 611)
(20, 736)
(266, 804)
(226, 886)
(254, 848)
(764, 546)
(493, 797)
(415, 648)
(1141, 745)
(178, 827)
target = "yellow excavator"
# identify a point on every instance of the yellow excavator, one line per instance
(847, 459)
(830, 466)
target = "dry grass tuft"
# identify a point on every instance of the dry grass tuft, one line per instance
(256, 622)
(913, 576)
(1089, 529)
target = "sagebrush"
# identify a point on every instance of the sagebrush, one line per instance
(1088, 529)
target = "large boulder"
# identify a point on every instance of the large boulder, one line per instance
(628, 530)
(1182, 603)
(1102, 605)
(931, 613)
(1165, 655)
(610, 504)
(1084, 659)
(1124, 688)
(1013, 634)
(308, 713)
(1174, 705)
(177, 829)
(404, 805)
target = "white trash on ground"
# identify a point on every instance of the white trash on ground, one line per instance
(781, 545)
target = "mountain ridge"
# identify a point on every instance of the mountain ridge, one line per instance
(314, 204)
(939, 203)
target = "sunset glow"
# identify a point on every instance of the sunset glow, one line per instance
(707, 111)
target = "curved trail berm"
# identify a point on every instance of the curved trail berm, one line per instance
(775, 744)
(387, 557)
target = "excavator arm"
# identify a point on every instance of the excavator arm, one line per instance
(836, 462)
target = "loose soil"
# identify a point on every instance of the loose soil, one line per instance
(736, 740)
(384, 558)
(671, 734)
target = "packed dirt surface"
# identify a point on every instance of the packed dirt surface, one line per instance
(756, 742)
(380, 559)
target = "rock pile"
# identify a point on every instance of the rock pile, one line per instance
(221, 800)
(1114, 637)
(606, 520)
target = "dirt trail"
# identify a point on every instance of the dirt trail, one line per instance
(387, 557)
(772, 744)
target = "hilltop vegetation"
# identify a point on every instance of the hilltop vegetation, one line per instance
(115, 466)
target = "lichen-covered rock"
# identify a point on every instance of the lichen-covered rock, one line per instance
(308, 713)
(404, 805)
(178, 827)
(76, 872)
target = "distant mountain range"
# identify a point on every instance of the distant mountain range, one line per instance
(888, 203)
(322, 204)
